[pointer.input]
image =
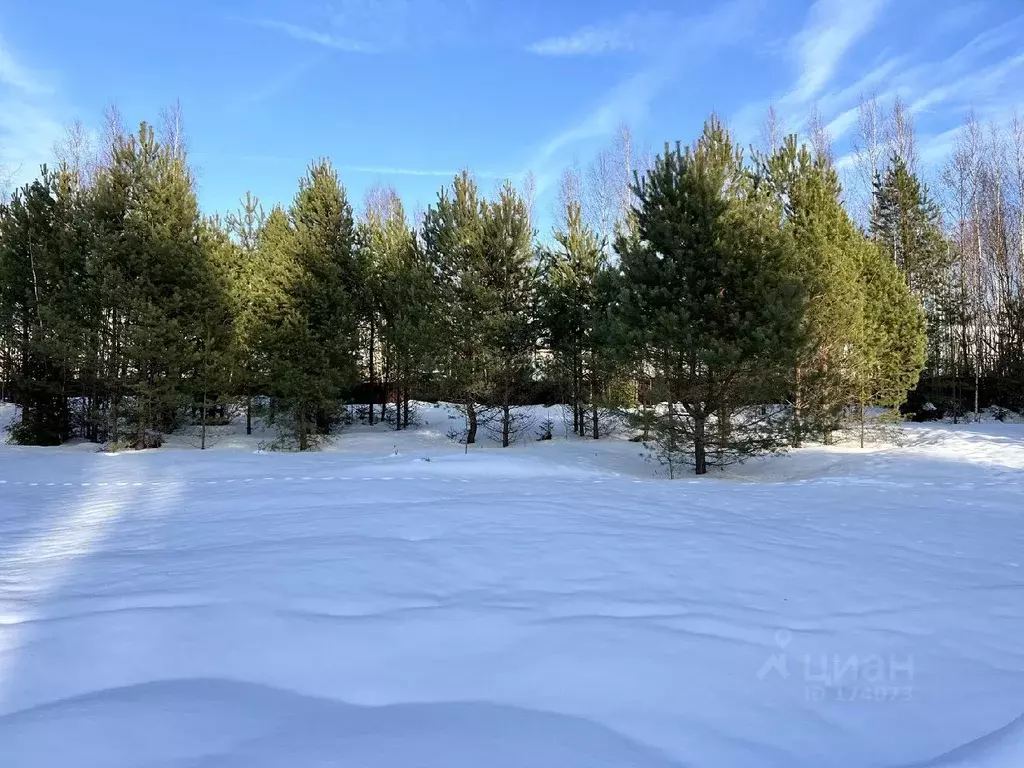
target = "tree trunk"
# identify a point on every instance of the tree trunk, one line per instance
(405, 408)
(797, 411)
(373, 394)
(862, 410)
(699, 446)
(248, 414)
(978, 316)
(385, 375)
(595, 424)
(644, 395)
(471, 416)
(506, 423)
(724, 430)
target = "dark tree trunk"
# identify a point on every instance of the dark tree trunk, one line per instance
(798, 427)
(373, 395)
(471, 415)
(699, 446)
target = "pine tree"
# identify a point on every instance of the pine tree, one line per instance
(452, 239)
(248, 292)
(215, 360)
(507, 289)
(403, 322)
(710, 298)
(154, 284)
(42, 286)
(574, 300)
(279, 328)
(893, 351)
(317, 343)
(828, 252)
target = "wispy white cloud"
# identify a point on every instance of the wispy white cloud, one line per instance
(393, 24)
(626, 102)
(377, 26)
(28, 129)
(842, 124)
(983, 73)
(936, 148)
(976, 88)
(310, 35)
(390, 170)
(279, 83)
(882, 75)
(960, 15)
(20, 77)
(27, 136)
(832, 28)
(629, 33)
(630, 100)
(829, 32)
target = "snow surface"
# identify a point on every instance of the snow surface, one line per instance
(393, 601)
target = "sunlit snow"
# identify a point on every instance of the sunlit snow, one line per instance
(393, 601)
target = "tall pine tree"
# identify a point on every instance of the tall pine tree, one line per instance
(710, 298)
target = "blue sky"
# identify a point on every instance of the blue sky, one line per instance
(406, 92)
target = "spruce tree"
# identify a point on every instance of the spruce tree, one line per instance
(905, 224)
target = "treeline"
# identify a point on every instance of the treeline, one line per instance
(962, 248)
(687, 291)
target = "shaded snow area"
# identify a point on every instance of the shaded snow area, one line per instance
(392, 602)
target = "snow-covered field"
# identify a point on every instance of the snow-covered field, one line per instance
(392, 602)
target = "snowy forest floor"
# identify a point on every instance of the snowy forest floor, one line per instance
(393, 602)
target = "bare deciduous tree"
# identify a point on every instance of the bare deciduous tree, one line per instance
(821, 142)
(529, 193)
(570, 191)
(900, 135)
(772, 131)
(172, 129)
(602, 193)
(77, 152)
(113, 132)
(869, 154)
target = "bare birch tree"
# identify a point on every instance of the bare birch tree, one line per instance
(869, 154)
(817, 131)
(772, 131)
(901, 136)
(77, 152)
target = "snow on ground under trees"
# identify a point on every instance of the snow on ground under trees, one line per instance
(392, 601)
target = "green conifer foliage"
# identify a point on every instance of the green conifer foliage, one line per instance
(710, 298)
